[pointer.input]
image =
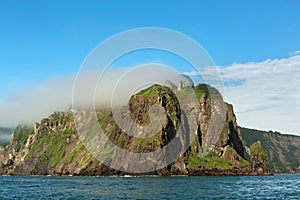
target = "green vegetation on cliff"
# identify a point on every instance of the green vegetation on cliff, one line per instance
(259, 159)
(52, 146)
(20, 136)
(282, 150)
(209, 161)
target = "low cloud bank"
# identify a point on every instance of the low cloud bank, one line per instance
(56, 94)
(265, 95)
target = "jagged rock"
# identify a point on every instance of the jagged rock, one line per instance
(180, 85)
(186, 80)
(258, 160)
(283, 150)
(230, 154)
(183, 82)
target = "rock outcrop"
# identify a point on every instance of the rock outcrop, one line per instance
(283, 150)
(213, 141)
(258, 159)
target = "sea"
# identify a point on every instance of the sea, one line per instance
(283, 186)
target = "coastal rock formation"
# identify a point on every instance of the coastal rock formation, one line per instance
(184, 81)
(283, 150)
(258, 159)
(211, 145)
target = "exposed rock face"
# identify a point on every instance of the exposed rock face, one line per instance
(57, 122)
(4, 158)
(258, 160)
(231, 133)
(53, 145)
(184, 81)
(283, 150)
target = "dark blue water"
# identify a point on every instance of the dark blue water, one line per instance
(242, 187)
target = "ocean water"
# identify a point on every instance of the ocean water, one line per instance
(238, 187)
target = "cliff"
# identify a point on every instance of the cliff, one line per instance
(259, 159)
(282, 150)
(53, 146)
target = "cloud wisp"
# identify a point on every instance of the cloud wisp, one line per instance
(265, 95)
(295, 53)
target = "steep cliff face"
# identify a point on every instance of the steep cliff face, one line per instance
(53, 145)
(258, 159)
(283, 150)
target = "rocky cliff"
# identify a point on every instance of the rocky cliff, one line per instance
(259, 159)
(53, 147)
(283, 150)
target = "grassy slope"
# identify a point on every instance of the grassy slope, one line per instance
(283, 150)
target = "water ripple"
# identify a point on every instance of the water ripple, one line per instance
(241, 187)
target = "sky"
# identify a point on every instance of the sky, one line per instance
(255, 44)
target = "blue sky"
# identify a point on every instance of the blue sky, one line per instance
(41, 40)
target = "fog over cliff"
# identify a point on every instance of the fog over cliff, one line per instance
(96, 86)
(265, 94)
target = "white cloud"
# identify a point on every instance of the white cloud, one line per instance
(265, 95)
(268, 97)
(191, 73)
(295, 53)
